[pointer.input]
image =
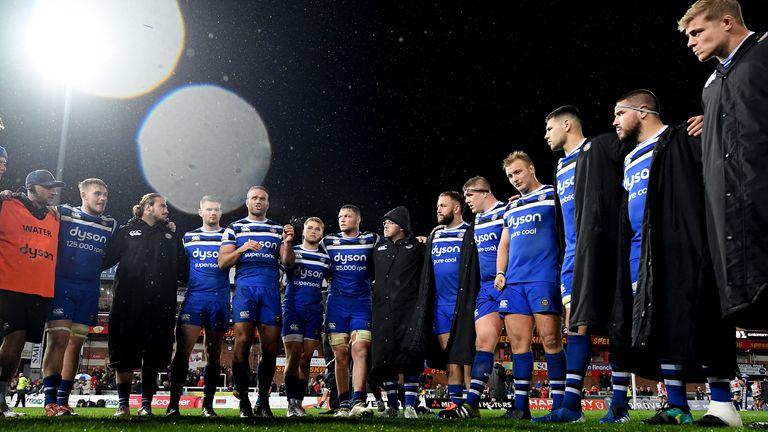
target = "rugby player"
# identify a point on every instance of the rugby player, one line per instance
(348, 310)
(255, 245)
(665, 191)
(306, 267)
(83, 238)
(489, 222)
(205, 306)
(527, 275)
(29, 233)
(445, 247)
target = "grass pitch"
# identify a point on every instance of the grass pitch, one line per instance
(100, 419)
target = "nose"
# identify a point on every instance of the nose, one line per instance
(616, 121)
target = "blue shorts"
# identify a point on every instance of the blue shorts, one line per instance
(566, 279)
(487, 300)
(443, 319)
(74, 300)
(259, 304)
(346, 316)
(204, 312)
(301, 322)
(528, 298)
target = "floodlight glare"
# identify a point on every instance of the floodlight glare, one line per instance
(67, 41)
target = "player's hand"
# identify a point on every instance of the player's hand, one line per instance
(696, 125)
(513, 197)
(288, 233)
(6, 195)
(421, 239)
(500, 282)
(171, 226)
(249, 245)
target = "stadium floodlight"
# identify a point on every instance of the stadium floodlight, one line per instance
(66, 41)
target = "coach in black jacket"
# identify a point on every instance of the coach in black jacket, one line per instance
(397, 262)
(141, 320)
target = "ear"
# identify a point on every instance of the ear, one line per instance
(567, 125)
(727, 22)
(200, 212)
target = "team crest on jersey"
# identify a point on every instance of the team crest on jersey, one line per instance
(460, 235)
(336, 242)
(542, 197)
(361, 241)
(544, 302)
(76, 215)
(272, 230)
(495, 216)
(298, 256)
(588, 146)
(195, 238)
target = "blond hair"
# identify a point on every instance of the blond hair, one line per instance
(517, 155)
(316, 220)
(83, 185)
(713, 10)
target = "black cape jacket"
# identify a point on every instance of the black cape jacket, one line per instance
(151, 264)
(395, 307)
(601, 298)
(735, 164)
(461, 344)
(677, 310)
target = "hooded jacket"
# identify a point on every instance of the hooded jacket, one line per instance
(395, 313)
(735, 157)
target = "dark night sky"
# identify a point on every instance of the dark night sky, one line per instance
(373, 103)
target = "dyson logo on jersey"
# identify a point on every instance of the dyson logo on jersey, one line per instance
(33, 253)
(635, 178)
(480, 238)
(204, 254)
(306, 273)
(438, 251)
(85, 235)
(563, 185)
(517, 221)
(268, 244)
(343, 259)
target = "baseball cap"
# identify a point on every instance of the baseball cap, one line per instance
(42, 178)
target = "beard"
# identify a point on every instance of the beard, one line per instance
(445, 220)
(630, 135)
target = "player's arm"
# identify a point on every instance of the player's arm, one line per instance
(229, 254)
(502, 259)
(113, 250)
(287, 256)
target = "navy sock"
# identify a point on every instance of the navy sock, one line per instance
(265, 371)
(344, 400)
(556, 371)
(620, 379)
(391, 387)
(148, 390)
(577, 359)
(209, 387)
(672, 373)
(359, 396)
(522, 370)
(50, 388)
(65, 389)
(481, 371)
(123, 395)
(411, 390)
(719, 384)
(240, 371)
(456, 393)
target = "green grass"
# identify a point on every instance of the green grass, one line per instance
(99, 419)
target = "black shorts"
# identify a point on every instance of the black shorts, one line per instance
(27, 312)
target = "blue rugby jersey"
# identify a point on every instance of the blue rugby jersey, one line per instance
(566, 168)
(350, 258)
(446, 252)
(637, 167)
(305, 278)
(205, 277)
(488, 228)
(256, 268)
(82, 242)
(533, 245)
